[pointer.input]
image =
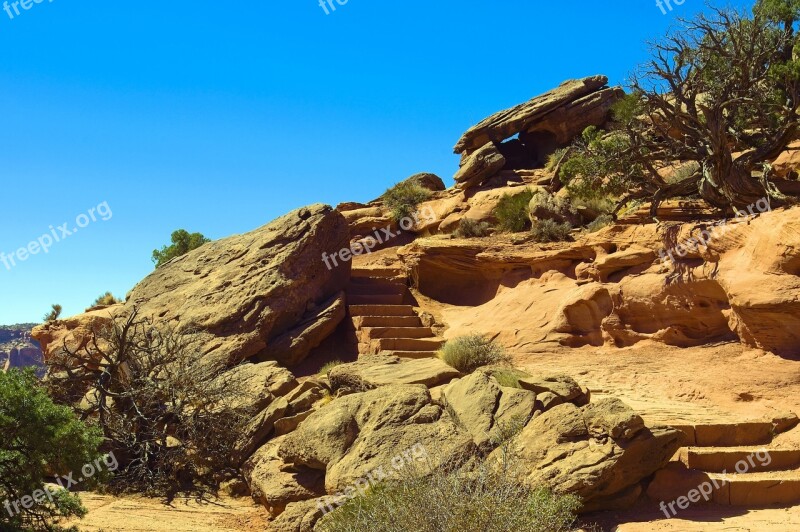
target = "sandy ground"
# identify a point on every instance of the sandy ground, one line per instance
(140, 514)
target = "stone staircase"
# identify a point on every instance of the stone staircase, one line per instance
(384, 320)
(741, 461)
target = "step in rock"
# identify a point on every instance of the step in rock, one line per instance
(382, 310)
(386, 321)
(372, 333)
(406, 344)
(363, 289)
(754, 459)
(411, 354)
(375, 299)
(727, 434)
(755, 490)
(385, 272)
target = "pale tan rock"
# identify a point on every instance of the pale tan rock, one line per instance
(382, 370)
(479, 166)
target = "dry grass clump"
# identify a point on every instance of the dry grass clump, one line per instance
(468, 353)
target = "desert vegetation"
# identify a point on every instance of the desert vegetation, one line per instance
(468, 353)
(720, 92)
(172, 423)
(182, 243)
(39, 438)
(106, 300)
(455, 498)
(404, 198)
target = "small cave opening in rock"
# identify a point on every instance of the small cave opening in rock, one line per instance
(528, 151)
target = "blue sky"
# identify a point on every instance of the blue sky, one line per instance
(220, 116)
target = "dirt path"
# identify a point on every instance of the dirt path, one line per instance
(140, 514)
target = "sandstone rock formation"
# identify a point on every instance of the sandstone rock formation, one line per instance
(618, 287)
(542, 124)
(599, 452)
(265, 295)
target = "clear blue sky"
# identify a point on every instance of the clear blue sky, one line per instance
(220, 116)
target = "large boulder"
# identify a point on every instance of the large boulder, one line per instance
(485, 409)
(479, 166)
(549, 120)
(265, 295)
(356, 435)
(600, 453)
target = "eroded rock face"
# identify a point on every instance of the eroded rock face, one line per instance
(617, 287)
(531, 114)
(265, 294)
(381, 370)
(573, 450)
(357, 434)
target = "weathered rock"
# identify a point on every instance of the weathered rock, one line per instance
(299, 517)
(611, 417)
(259, 429)
(559, 451)
(275, 483)
(477, 403)
(383, 370)
(245, 295)
(563, 112)
(787, 165)
(562, 386)
(428, 181)
(358, 434)
(546, 206)
(479, 166)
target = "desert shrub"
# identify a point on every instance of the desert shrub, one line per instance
(328, 366)
(182, 243)
(54, 314)
(547, 206)
(468, 228)
(508, 377)
(554, 158)
(403, 199)
(600, 222)
(468, 353)
(512, 211)
(172, 423)
(106, 300)
(38, 437)
(550, 231)
(449, 499)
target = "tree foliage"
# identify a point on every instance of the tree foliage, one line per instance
(38, 437)
(182, 243)
(722, 91)
(54, 314)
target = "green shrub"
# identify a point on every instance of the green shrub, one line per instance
(182, 243)
(328, 366)
(106, 299)
(468, 353)
(512, 211)
(448, 500)
(600, 222)
(554, 158)
(403, 199)
(508, 377)
(550, 231)
(38, 437)
(54, 314)
(468, 228)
